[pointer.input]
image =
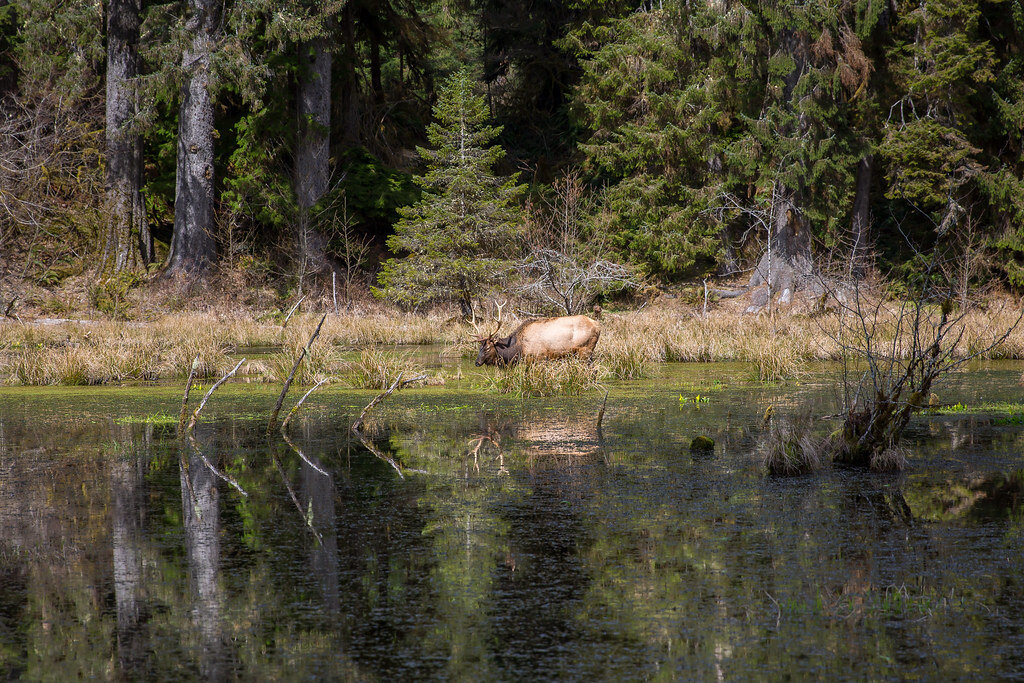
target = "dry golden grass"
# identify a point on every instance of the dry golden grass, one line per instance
(789, 448)
(570, 376)
(100, 352)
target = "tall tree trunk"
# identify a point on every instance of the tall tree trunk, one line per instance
(861, 217)
(375, 80)
(192, 247)
(312, 150)
(349, 83)
(787, 263)
(126, 234)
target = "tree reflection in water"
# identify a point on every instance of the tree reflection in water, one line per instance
(200, 502)
(564, 556)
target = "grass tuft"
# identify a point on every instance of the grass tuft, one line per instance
(378, 369)
(789, 448)
(570, 376)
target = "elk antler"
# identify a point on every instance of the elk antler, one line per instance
(476, 327)
(497, 324)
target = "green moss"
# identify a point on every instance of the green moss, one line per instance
(702, 444)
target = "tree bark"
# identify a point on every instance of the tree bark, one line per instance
(349, 83)
(787, 264)
(193, 247)
(375, 80)
(312, 150)
(127, 234)
(861, 216)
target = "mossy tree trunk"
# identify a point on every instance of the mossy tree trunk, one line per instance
(193, 247)
(127, 240)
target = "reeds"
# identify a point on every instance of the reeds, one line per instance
(564, 377)
(789, 448)
(378, 369)
(631, 343)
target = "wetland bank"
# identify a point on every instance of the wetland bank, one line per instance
(514, 540)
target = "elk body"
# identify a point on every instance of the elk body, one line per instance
(540, 338)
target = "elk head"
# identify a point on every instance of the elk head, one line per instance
(489, 343)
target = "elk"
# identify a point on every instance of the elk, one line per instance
(539, 338)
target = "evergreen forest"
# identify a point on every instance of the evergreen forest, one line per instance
(431, 151)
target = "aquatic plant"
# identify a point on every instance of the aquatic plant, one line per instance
(570, 376)
(378, 369)
(789, 448)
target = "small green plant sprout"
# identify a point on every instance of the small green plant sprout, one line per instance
(684, 400)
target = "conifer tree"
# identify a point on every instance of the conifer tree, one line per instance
(460, 236)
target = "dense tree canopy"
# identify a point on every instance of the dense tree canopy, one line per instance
(703, 131)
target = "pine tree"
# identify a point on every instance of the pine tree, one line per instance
(461, 234)
(653, 105)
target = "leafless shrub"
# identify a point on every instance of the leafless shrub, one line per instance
(566, 266)
(50, 173)
(900, 348)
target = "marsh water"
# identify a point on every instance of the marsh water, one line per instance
(471, 536)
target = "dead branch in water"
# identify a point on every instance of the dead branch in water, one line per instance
(295, 408)
(291, 376)
(369, 445)
(308, 519)
(195, 417)
(302, 456)
(383, 395)
(210, 466)
(184, 399)
(202, 404)
(380, 397)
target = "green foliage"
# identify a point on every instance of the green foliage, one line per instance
(459, 236)
(110, 295)
(690, 104)
(373, 192)
(642, 95)
(257, 188)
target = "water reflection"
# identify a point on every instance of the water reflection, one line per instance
(200, 505)
(127, 476)
(505, 542)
